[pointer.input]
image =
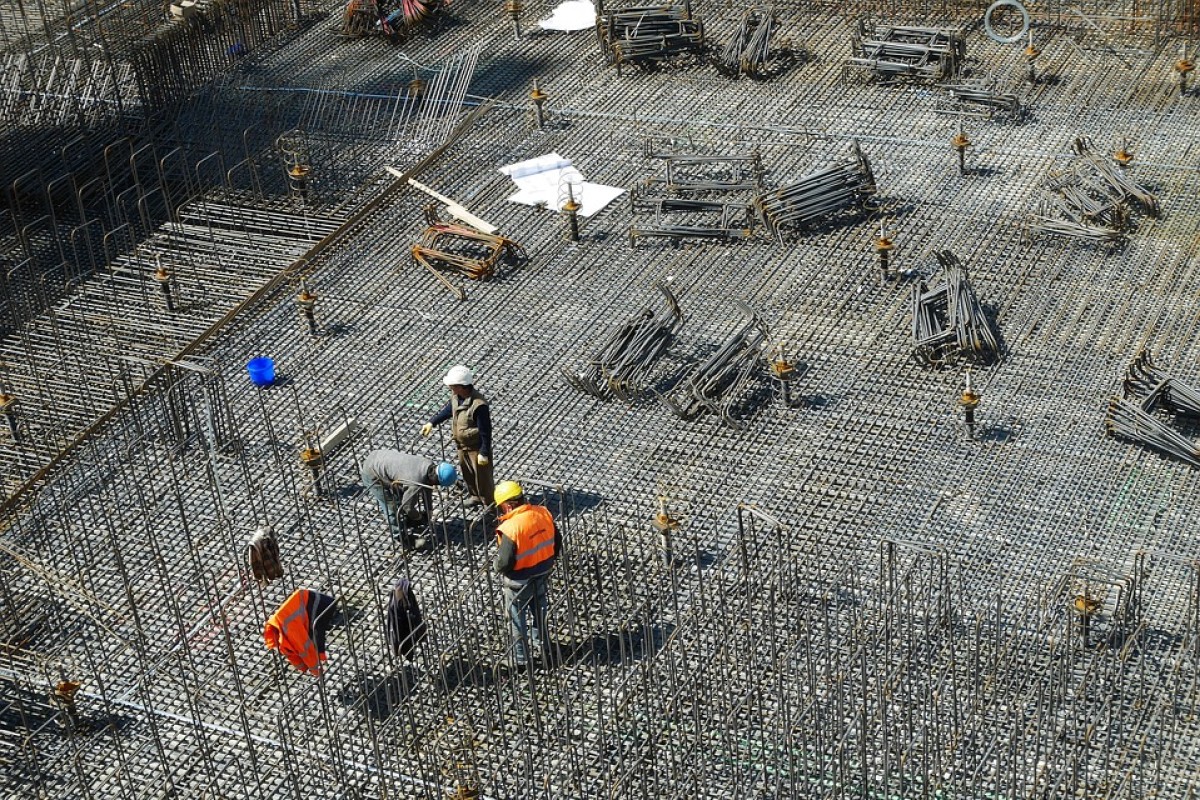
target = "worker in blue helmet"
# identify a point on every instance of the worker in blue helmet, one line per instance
(402, 484)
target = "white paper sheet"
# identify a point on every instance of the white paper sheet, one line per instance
(550, 180)
(573, 15)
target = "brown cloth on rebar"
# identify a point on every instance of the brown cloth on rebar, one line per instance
(263, 554)
(405, 626)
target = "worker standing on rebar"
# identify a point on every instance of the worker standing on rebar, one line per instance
(527, 544)
(402, 485)
(471, 428)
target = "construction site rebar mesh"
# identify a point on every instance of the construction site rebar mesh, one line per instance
(850, 593)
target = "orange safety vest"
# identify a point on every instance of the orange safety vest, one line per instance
(290, 631)
(531, 529)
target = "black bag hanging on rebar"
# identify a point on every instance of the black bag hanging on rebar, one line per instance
(405, 626)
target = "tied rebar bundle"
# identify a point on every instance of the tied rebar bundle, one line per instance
(649, 34)
(948, 323)
(626, 358)
(1090, 200)
(680, 218)
(721, 382)
(982, 93)
(1148, 389)
(843, 186)
(687, 212)
(750, 48)
(464, 250)
(895, 51)
(692, 174)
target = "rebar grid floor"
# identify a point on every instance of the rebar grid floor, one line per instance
(910, 626)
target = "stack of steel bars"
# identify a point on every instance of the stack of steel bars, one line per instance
(983, 94)
(1090, 200)
(695, 216)
(750, 47)
(892, 51)
(948, 322)
(842, 186)
(718, 384)
(462, 249)
(647, 34)
(626, 358)
(1146, 389)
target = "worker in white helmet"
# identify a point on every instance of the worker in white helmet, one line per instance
(471, 429)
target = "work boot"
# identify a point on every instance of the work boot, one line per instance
(410, 543)
(471, 501)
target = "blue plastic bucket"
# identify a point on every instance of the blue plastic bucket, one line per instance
(262, 371)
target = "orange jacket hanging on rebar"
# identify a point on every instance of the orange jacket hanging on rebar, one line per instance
(297, 629)
(531, 530)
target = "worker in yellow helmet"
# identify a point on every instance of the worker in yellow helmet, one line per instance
(527, 543)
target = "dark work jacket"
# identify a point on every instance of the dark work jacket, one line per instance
(405, 626)
(263, 554)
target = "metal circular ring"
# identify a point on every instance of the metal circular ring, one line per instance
(1016, 37)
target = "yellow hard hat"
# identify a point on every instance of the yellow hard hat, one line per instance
(507, 490)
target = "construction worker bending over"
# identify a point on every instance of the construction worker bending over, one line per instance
(527, 544)
(402, 485)
(471, 429)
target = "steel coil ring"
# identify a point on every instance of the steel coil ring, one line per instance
(1016, 37)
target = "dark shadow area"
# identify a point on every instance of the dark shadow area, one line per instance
(335, 329)
(461, 671)
(611, 648)
(282, 380)
(817, 402)
(998, 433)
(457, 531)
(380, 695)
(24, 710)
(494, 77)
(343, 614)
(564, 503)
(982, 172)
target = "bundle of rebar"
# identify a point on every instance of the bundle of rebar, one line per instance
(1148, 389)
(948, 323)
(983, 93)
(465, 250)
(892, 51)
(691, 174)
(1150, 384)
(628, 355)
(682, 218)
(842, 186)
(722, 380)
(694, 215)
(649, 34)
(1090, 200)
(749, 49)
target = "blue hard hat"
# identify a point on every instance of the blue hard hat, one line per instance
(447, 474)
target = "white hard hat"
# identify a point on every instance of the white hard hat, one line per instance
(459, 376)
